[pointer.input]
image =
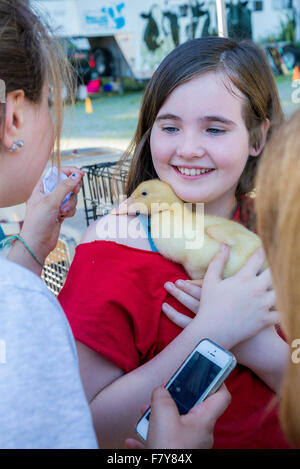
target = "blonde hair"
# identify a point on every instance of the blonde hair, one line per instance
(30, 55)
(278, 217)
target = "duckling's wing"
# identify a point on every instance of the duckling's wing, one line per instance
(229, 233)
(242, 242)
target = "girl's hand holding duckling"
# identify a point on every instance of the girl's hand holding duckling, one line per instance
(241, 302)
(187, 293)
(247, 311)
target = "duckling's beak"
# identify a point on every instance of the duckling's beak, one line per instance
(121, 209)
(129, 207)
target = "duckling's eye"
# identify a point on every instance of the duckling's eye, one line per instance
(144, 193)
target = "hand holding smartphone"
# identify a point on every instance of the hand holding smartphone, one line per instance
(201, 374)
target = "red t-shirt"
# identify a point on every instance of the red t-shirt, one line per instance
(112, 298)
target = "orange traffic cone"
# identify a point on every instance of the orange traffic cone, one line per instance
(296, 74)
(88, 106)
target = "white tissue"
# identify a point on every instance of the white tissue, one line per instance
(51, 180)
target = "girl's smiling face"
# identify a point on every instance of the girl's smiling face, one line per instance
(200, 144)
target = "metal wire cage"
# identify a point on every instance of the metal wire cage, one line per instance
(56, 266)
(100, 188)
(102, 184)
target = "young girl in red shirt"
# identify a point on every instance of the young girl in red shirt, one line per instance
(211, 105)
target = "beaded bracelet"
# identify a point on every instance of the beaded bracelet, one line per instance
(10, 239)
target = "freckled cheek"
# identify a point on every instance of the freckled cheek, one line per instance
(159, 149)
(163, 148)
(229, 155)
(220, 154)
(224, 160)
(159, 163)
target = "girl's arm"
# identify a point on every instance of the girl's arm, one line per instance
(266, 354)
(116, 399)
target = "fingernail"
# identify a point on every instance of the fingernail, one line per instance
(165, 307)
(224, 247)
(168, 286)
(65, 210)
(180, 283)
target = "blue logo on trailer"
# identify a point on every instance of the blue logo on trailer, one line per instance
(107, 14)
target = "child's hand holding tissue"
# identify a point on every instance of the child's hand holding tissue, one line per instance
(45, 213)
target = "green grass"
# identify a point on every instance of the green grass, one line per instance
(114, 118)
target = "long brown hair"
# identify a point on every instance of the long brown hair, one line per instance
(243, 63)
(29, 56)
(278, 216)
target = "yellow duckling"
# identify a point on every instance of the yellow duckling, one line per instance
(169, 213)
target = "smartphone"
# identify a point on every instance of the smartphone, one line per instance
(201, 374)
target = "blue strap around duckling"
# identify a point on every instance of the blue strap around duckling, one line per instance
(145, 222)
(2, 235)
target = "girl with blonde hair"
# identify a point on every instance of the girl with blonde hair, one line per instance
(278, 215)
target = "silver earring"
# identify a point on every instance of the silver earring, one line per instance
(13, 147)
(16, 145)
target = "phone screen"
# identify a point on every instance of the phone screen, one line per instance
(192, 381)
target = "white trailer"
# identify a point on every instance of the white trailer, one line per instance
(130, 38)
